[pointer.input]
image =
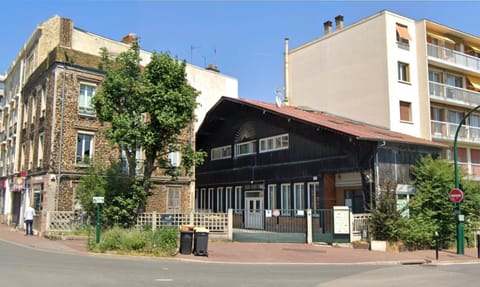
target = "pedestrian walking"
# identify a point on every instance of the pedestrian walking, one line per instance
(29, 214)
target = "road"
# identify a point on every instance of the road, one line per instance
(26, 267)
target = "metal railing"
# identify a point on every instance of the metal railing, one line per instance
(214, 222)
(446, 130)
(455, 57)
(454, 94)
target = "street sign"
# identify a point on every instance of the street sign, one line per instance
(98, 199)
(456, 195)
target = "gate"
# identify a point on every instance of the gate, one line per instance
(322, 225)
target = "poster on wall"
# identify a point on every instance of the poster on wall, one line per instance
(341, 220)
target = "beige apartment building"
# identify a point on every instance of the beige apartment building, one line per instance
(411, 76)
(49, 131)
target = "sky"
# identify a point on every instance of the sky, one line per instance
(244, 39)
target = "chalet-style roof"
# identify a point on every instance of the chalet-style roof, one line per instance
(359, 130)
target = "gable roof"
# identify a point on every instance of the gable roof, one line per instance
(356, 129)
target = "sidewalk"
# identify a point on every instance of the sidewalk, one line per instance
(263, 253)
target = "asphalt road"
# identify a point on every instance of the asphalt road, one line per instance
(22, 266)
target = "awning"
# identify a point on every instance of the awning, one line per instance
(403, 32)
(474, 48)
(446, 39)
(474, 81)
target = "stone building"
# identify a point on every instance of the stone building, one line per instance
(49, 129)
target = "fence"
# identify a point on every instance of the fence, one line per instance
(215, 222)
(65, 221)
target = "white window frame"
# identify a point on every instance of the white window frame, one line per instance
(272, 196)
(174, 158)
(228, 198)
(238, 197)
(210, 193)
(201, 204)
(81, 159)
(221, 152)
(220, 199)
(85, 101)
(279, 142)
(285, 198)
(252, 148)
(312, 191)
(403, 72)
(298, 196)
(43, 103)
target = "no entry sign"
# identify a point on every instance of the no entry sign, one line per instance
(456, 195)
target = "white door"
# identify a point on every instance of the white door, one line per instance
(254, 212)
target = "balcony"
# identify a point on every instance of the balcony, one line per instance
(446, 131)
(454, 95)
(453, 57)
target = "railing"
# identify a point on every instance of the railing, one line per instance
(454, 94)
(215, 222)
(65, 221)
(360, 222)
(454, 57)
(446, 130)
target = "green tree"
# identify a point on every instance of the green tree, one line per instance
(431, 211)
(148, 109)
(93, 184)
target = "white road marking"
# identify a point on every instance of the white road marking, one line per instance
(164, 280)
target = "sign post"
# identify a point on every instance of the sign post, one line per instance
(98, 200)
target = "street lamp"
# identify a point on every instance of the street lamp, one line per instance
(459, 219)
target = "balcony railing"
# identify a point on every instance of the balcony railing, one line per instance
(454, 94)
(455, 57)
(446, 130)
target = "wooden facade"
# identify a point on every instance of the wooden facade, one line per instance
(289, 159)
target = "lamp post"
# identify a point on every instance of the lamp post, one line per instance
(459, 217)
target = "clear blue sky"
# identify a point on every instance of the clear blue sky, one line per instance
(245, 39)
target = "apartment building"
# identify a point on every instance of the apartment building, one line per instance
(49, 129)
(411, 76)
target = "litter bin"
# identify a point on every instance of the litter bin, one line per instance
(200, 241)
(186, 241)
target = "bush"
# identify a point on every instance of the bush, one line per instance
(161, 242)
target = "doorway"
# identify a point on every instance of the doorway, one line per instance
(254, 210)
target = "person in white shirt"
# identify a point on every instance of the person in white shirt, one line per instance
(29, 214)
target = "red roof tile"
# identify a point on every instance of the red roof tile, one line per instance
(359, 130)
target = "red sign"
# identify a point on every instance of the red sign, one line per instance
(456, 195)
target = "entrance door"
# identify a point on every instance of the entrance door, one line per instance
(254, 212)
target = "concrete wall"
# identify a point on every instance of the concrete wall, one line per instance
(344, 73)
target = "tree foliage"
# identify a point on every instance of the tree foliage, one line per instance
(148, 108)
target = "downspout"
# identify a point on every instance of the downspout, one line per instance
(60, 137)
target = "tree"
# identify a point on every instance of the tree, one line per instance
(148, 109)
(431, 211)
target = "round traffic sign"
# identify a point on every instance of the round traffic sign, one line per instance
(456, 195)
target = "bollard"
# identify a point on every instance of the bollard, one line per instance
(478, 244)
(436, 245)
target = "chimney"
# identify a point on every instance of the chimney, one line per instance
(327, 27)
(338, 22)
(213, 68)
(128, 39)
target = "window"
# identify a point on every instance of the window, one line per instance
(354, 200)
(272, 196)
(209, 205)
(299, 196)
(84, 148)
(43, 103)
(285, 198)
(85, 99)
(228, 197)
(33, 109)
(313, 200)
(403, 72)
(274, 143)
(405, 112)
(201, 199)
(219, 200)
(403, 37)
(30, 155)
(174, 158)
(221, 152)
(41, 142)
(245, 148)
(238, 198)
(173, 199)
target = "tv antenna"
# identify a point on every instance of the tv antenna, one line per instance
(278, 100)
